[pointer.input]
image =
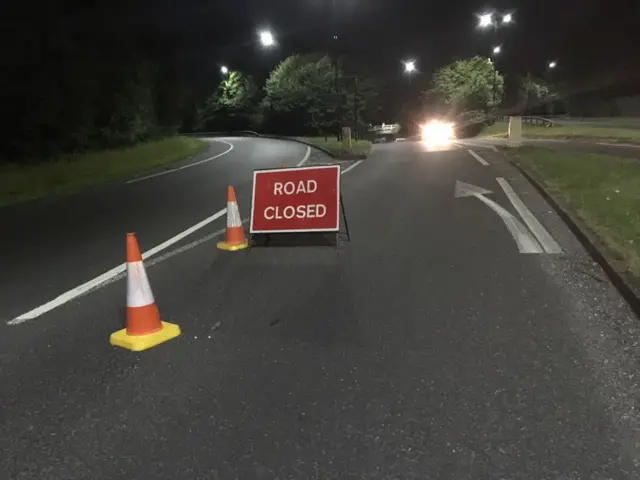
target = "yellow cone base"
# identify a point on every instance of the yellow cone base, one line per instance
(233, 247)
(139, 343)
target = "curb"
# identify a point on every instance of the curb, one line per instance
(591, 244)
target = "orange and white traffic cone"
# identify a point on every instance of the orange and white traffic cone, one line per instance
(144, 328)
(235, 238)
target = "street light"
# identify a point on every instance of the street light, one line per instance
(224, 70)
(486, 19)
(553, 65)
(266, 38)
(410, 66)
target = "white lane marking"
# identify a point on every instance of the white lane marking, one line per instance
(166, 256)
(494, 148)
(118, 272)
(541, 233)
(91, 284)
(306, 157)
(624, 145)
(348, 169)
(165, 172)
(482, 161)
(525, 242)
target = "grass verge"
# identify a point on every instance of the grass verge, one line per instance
(71, 173)
(500, 129)
(603, 190)
(359, 147)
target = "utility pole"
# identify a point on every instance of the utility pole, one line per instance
(334, 27)
(495, 69)
(355, 108)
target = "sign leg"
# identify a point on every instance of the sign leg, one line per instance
(344, 217)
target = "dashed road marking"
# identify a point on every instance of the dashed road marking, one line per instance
(482, 161)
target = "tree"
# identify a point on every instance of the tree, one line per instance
(233, 104)
(292, 93)
(294, 88)
(297, 81)
(468, 85)
(535, 94)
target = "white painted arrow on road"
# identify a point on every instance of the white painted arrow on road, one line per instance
(526, 243)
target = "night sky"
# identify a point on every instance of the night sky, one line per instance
(588, 38)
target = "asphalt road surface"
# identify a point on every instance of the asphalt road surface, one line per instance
(427, 347)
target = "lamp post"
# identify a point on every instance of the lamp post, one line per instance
(224, 70)
(492, 19)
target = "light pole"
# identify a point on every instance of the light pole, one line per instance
(550, 66)
(492, 19)
(496, 51)
(224, 70)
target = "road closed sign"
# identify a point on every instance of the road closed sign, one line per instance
(289, 200)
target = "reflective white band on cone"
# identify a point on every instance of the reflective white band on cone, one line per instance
(233, 215)
(138, 288)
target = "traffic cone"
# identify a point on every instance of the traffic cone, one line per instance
(235, 239)
(144, 328)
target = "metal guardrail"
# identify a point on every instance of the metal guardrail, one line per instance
(533, 121)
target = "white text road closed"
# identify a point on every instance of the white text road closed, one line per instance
(296, 200)
(293, 188)
(289, 212)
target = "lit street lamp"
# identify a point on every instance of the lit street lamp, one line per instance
(224, 70)
(497, 50)
(266, 38)
(553, 65)
(486, 19)
(410, 66)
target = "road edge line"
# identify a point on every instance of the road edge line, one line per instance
(306, 157)
(351, 167)
(184, 167)
(100, 279)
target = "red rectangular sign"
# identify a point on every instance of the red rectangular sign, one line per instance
(305, 199)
